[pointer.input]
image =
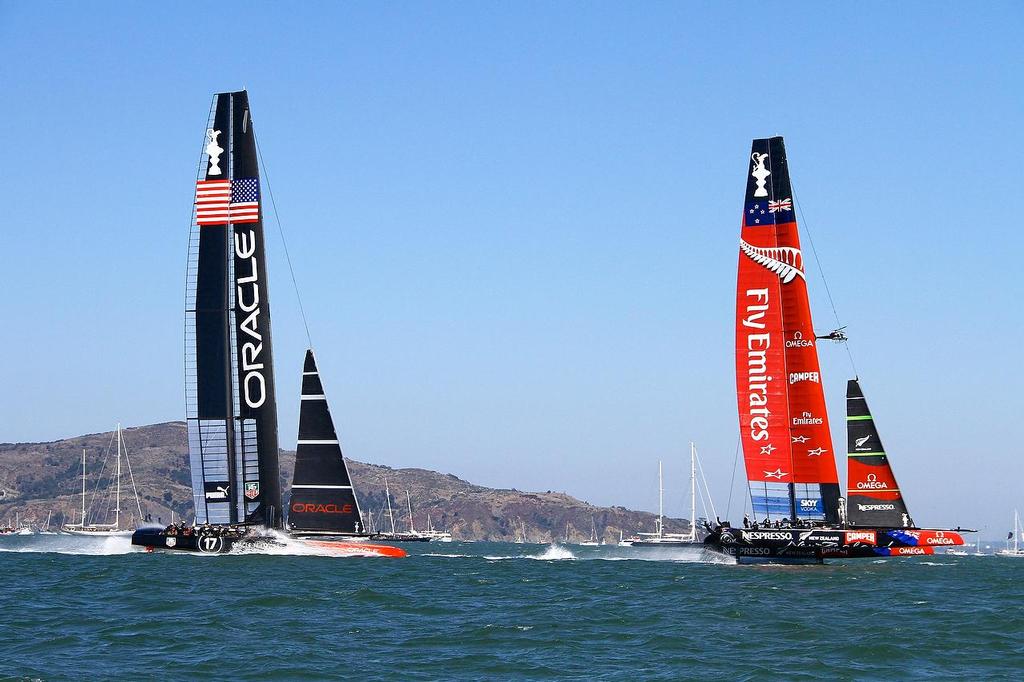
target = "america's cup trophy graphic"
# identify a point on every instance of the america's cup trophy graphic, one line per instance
(213, 150)
(760, 173)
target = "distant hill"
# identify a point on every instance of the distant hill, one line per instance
(37, 478)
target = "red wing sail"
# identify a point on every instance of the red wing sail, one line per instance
(873, 496)
(783, 423)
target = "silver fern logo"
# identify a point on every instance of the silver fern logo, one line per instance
(859, 443)
(785, 261)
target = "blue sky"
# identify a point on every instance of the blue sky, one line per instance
(514, 225)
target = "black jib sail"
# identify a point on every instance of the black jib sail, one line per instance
(873, 497)
(323, 500)
(229, 385)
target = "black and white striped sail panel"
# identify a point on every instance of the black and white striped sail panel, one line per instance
(230, 406)
(322, 499)
(873, 496)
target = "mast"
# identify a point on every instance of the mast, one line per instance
(1017, 533)
(83, 486)
(787, 445)
(408, 501)
(117, 489)
(391, 514)
(661, 503)
(693, 493)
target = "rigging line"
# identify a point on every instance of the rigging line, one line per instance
(703, 504)
(280, 231)
(703, 478)
(821, 273)
(96, 488)
(732, 481)
(131, 475)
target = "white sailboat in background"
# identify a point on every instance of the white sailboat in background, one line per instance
(395, 535)
(660, 538)
(1016, 551)
(46, 529)
(108, 529)
(593, 541)
(20, 529)
(436, 535)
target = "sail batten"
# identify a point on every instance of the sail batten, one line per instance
(784, 428)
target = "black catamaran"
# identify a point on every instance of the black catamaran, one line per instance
(799, 513)
(231, 407)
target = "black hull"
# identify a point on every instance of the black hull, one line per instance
(814, 545)
(157, 538)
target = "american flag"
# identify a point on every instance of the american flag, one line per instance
(212, 198)
(222, 201)
(245, 204)
(783, 205)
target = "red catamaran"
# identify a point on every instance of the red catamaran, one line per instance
(799, 512)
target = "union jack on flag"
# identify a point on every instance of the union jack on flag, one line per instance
(783, 205)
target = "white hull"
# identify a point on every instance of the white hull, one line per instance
(103, 533)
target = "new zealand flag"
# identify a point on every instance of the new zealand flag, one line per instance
(757, 213)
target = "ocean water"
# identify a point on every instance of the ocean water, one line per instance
(86, 608)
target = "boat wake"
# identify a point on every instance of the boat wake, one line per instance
(69, 544)
(554, 553)
(280, 544)
(557, 552)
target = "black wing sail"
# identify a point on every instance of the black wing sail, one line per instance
(873, 496)
(323, 499)
(229, 384)
(257, 467)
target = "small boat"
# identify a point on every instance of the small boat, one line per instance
(1016, 552)
(435, 535)
(231, 405)
(395, 535)
(46, 529)
(593, 541)
(20, 529)
(799, 513)
(106, 529)
(662, 539)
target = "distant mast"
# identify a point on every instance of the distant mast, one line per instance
(787, 445)
(229, 387)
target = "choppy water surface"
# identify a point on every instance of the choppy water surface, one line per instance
(77, 608)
